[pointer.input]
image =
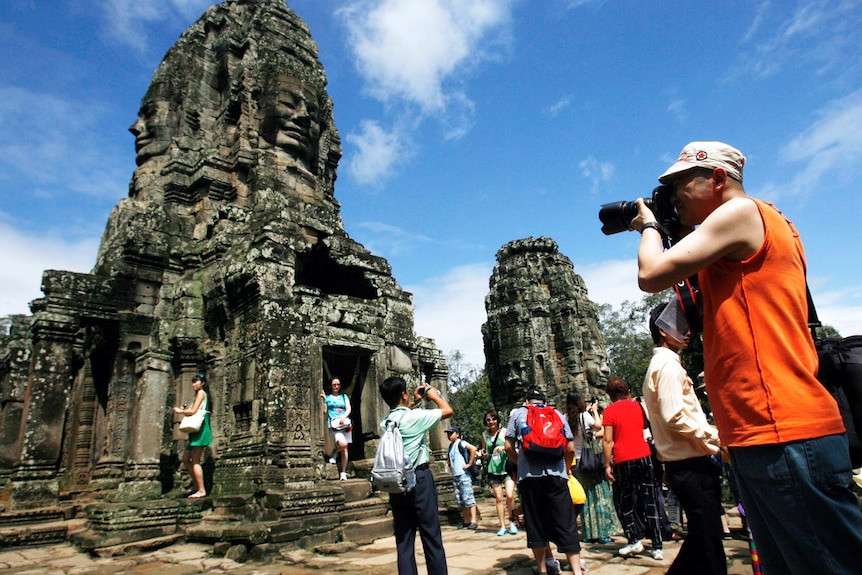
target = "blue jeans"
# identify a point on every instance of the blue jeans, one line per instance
(803, 516)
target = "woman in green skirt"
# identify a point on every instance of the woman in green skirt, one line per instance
(598, 519)
(191, 457)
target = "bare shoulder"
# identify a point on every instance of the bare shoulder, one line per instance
(739, 225)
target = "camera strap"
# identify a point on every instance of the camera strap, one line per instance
(686, 292)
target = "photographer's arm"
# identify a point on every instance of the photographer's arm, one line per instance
(733, 230)
(434, 395)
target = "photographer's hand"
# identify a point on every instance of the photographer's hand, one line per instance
(644, 216)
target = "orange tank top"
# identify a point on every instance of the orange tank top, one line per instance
(760, 362)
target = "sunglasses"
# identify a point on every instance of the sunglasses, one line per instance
(490, 419)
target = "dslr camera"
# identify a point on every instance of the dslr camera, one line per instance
(617, 216)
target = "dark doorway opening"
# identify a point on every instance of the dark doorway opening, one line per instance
(351, 366)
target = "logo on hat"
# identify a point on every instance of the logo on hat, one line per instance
(701, 155)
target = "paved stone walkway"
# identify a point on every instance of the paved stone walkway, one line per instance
(478, 552)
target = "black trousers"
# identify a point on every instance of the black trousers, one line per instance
(418, 510)
(696, 483)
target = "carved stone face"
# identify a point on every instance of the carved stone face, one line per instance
(290, 118)
(152, 130)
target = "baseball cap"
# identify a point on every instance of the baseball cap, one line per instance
(707, 155)
(454, 428)
(535, 394)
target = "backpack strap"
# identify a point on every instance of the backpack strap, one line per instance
(463, 450)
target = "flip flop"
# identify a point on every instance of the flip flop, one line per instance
(197, 495)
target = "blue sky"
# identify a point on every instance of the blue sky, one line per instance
(466, 124)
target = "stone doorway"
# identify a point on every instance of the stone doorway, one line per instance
(351, 366)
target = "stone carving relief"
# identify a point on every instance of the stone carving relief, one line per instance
(542, 329)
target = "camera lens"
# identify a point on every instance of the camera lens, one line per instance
(422, 391)
(617, 216)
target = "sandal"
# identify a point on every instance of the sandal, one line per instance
(197, 495)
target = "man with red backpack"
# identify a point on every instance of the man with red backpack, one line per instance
(547, 450)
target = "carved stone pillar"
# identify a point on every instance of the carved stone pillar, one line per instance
(153, 371)
(109, 470)
(34, 477)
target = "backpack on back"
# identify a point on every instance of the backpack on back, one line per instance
(841, 373)
(543, 436)
(474, 470)
(393, 472)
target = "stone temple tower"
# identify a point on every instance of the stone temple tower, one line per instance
(228, 258)
(542, 329)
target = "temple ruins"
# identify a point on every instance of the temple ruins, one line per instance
(542, 329)
(229, 258)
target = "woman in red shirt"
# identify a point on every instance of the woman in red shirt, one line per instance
(628, 466)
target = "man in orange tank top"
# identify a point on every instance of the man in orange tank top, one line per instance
(781, 427)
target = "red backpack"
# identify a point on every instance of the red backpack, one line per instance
(544, 434)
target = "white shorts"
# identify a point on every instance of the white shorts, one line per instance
(341, 436)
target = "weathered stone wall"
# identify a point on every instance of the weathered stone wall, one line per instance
(227, 258)
(542, 329)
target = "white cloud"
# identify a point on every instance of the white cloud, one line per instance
(408, 49)
(24, 258)
(830, 147)
(378, 152)
(451, 310)
(597, 172)
(560, 105)
(388, 241)
(611, 281)
(677, 109)
(52, 143)
(815, 36)
(839, 307)
(126, 20)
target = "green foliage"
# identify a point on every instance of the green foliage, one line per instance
(469, 396)
(627, 338)
(828, 332)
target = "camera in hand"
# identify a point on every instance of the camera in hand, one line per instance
(423, 390)
(617, 216)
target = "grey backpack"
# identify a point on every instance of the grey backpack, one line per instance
(393, 471)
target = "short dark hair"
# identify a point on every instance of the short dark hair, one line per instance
(653, 326)
(617, 388)
(391, 389)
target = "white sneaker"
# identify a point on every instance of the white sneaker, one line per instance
(332, 460)
(636, 547)
(552, 566)
(584, 567)
(657, 554)
(343, 476)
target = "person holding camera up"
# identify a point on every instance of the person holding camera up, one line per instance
(416, 509)
(783, 430)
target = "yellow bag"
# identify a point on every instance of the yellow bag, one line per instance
(576, 490)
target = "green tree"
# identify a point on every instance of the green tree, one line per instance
(828, 332)
(627, 338)
(469, 396)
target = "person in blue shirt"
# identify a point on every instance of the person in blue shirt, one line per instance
(543, 485)
(461, 478)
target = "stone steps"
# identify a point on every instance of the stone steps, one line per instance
(41, 526)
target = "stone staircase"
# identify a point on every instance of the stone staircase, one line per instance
(340, 511)
(40, 526)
